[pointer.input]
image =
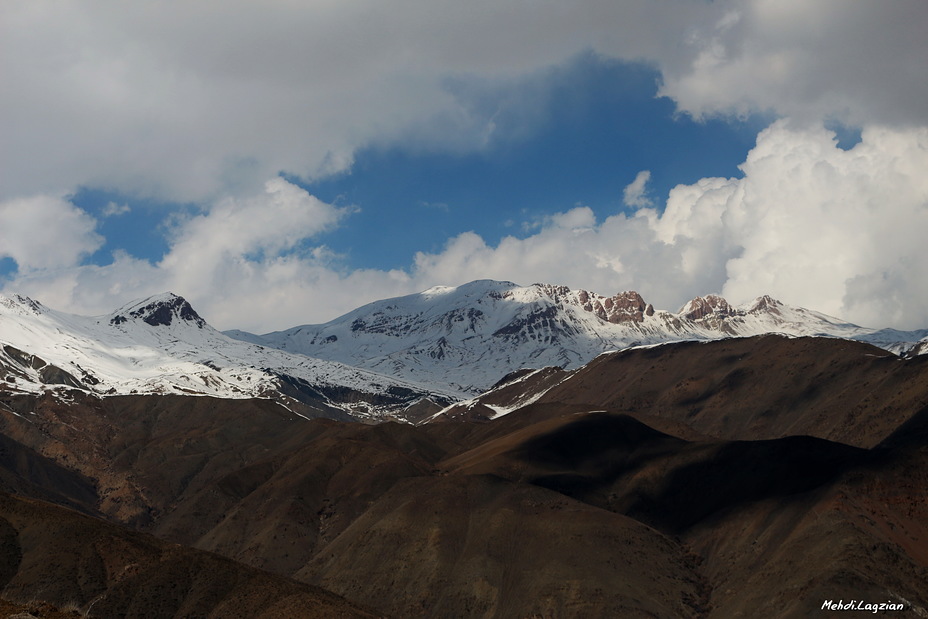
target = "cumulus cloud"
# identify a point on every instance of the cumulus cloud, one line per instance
(268, 224)
(43, 232)
(858, 63)
(840, 231)
(635, 193)
(834, 230)
(245, 262)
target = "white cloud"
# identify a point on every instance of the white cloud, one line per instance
(635, 193)
(43, 232)
(112, 209)
(268, 224)
(860, 63)
(202, 99)
(247, 263)
(834, 230)
(251, 258)
(824, 225)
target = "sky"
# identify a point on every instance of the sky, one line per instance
(280, 163)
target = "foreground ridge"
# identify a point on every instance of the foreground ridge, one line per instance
(689, 479)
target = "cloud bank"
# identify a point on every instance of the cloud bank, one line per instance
(206, 99)
(860, 62)
(840, 231)
(812, 224)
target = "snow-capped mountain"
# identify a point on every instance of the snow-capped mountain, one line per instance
(161, 345)
(434, 347)
(466, 338)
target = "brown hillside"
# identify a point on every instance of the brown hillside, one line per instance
(723, 479)
(70, 560)
(479, 546)
(758, 388)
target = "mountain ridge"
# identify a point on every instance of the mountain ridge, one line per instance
(466, 338)
(160, 345)
(405, 357)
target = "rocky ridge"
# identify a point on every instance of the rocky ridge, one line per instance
(466, 338)
(160, 345)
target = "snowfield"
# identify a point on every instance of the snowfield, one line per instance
(445, 344)
(464, 339)
(157, 345)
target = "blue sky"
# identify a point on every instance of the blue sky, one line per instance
(596, 123)
(281, 163)
(600, 125)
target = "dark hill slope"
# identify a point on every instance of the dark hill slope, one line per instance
(277, 513)
(26, 472)
(758, 388)
(71, 560)
(780, 524)
(618, 463)
(480, 546)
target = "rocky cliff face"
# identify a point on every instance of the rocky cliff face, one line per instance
(622, 307)
(159, 311)
(701, 307)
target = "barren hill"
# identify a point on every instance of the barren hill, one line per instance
(692, 479)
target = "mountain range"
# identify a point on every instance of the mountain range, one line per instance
(160, 345)
(398, 357)
(466, 338)
(588, 457)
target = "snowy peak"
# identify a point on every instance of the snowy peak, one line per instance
(465, 338)
(765, 303)
(158, 311)
(630, 307)
(21, 305)
(622, 307)
(711, 304)
(160, 345)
